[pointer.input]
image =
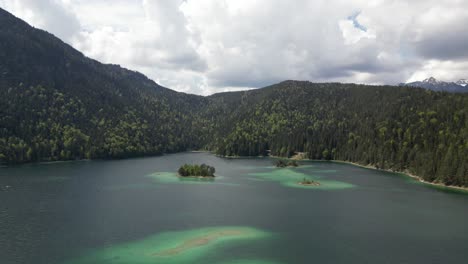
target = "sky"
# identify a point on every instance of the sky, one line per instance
(209, 46)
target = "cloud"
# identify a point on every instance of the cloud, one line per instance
(441, 33)
(269, 41)
(205, 46)
(50, 15)
(156, 37)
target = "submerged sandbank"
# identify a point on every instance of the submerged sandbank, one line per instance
(292, 178)
(405, 173)
(200, 241)
(179, 247)
(172, 177)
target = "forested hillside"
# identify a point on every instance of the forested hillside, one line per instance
(57, 104)
(398, 128)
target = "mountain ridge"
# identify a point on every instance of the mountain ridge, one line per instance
(432, 83)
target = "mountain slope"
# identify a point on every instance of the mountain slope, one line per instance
(52, 94)
(398, 128)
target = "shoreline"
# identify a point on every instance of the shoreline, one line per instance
(405, 173)
(196, 177)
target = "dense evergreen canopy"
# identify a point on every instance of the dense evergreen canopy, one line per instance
(202, 170)
(56, 104)
(405, 129)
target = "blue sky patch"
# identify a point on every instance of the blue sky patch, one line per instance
(356, 23)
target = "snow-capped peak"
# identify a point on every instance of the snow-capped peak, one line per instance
(462, 82)
(461, 86)
(431, 80)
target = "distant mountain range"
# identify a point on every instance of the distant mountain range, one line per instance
(432, 83)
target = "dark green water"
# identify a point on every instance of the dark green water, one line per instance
(134, 211)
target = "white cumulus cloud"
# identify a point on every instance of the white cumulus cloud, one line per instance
(208, 46)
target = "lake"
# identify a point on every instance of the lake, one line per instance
(138, 211)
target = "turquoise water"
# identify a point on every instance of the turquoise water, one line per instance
(139, 211)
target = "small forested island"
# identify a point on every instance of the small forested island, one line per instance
(195, 170)
(284, 163)
(308, 182)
